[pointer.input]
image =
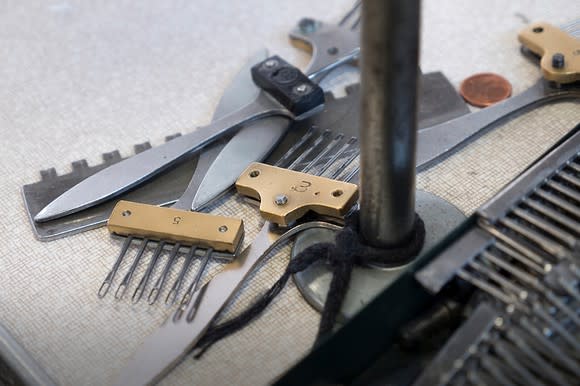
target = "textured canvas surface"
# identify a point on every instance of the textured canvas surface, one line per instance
(81, 78)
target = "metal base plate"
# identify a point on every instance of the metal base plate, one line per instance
(440, 218)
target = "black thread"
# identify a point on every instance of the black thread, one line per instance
(348, 250)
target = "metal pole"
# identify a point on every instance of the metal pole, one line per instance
(389, 66)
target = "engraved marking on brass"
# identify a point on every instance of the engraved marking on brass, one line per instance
(301, 192)
(167, 224)
(560, 51)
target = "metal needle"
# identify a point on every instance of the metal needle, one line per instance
(195, 283)
(176, 287)
(145, 279)
(129, 275)
(111, 275)
(158, 287)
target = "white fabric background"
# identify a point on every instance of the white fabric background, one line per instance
(78, 79)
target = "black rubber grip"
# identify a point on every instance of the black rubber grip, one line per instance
(288, 85)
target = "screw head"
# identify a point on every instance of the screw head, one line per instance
(126, 213)
(558, 60)
(271, 63)
(308, 26)
(223, 229)
(302, 89)
(281, 199)
(332, 51)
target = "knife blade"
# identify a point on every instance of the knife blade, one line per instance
(331, 46)
(276, 98)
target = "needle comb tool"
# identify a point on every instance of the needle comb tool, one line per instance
(166, 226)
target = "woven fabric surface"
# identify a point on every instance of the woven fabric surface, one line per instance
(78, 79)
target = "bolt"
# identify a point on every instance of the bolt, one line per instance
(302, 88)
(558, 60)
(271, 63)
(307, 26)
(280, 199)
(332, 51)
(223, 229)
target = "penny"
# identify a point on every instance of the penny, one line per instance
(485, 89)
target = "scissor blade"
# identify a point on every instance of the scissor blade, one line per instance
(252, 143)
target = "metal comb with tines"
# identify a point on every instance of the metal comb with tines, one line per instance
(502, 347)
(522, 257)
(153, 225)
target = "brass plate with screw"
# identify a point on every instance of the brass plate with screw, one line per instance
(286, 195)
(167, 224)
(560, 51)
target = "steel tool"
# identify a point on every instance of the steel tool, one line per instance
(285, 92)
(165, 348)
(522, 255)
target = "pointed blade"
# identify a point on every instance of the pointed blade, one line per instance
(252, 143)
(128, 173)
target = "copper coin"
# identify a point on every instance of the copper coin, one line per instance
(485, 89)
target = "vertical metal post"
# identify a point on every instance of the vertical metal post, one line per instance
(389, 66)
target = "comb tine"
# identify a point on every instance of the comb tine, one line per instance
(296, 146)
(347, 162)
(336, 155)
(356, 23)
(195, 282)
(111, 275)
(138, 294)
(572, 28)
(331, 146)
(176, 287)
(557, 326)
(294, 165)
(129, 275)
(355, 7)
(158, 287)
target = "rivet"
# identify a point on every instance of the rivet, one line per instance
(280, 199)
